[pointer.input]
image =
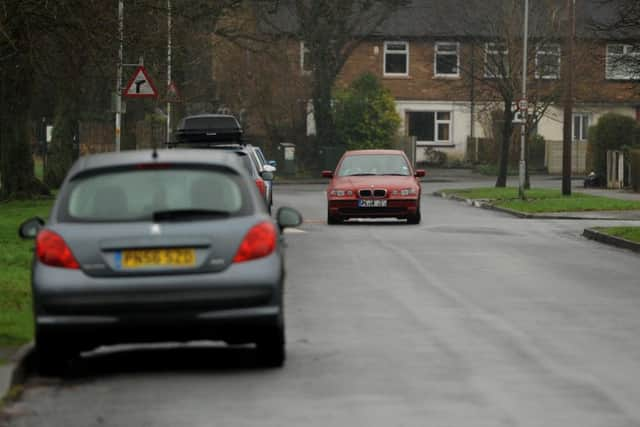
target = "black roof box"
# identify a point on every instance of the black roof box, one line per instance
(209, 128)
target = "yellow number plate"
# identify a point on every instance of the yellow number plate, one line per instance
(158, 258)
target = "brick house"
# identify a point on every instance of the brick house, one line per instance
(438, 67)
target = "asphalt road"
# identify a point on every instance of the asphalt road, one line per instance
(472, 318)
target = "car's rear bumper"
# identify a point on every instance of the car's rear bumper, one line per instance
(236, 305)
(84, 332)
(396, 208)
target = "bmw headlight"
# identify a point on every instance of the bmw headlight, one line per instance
(341, 193)
(405, 192)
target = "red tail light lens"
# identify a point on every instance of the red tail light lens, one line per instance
(51, 249)
(259, 242)
(261, 186)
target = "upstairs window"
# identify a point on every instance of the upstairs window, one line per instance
(548, 62)
(496, 64)
(447, 60)
(623, 62)
(396, 59)
(305, 61)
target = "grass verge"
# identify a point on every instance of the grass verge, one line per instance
(16, 326)
(545, 200)
(628, 233)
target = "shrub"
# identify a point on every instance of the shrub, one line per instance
(365, 114)
(612, 132)
(536, 152)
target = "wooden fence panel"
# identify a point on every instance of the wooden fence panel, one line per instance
(96, 137)
(553, 157)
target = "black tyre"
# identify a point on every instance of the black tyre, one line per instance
(270, 348)
(414, 219)
(52, 358)
(332, 220)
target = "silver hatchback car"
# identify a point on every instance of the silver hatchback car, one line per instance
(148, 246)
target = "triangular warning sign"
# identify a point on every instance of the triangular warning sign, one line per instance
(140, 85)
(172, 93)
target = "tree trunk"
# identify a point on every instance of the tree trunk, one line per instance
(16, 165)
(527, 180)
(507, 131)
(325, 128)
(61, 152)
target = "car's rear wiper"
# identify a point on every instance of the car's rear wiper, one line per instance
(185, 214)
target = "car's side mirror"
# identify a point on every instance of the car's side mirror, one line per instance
(31, 227)
(420, 173)
(288, 217)
(267, 176)
(327, 174)
(269, 168)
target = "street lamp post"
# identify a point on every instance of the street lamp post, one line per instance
(118, 97)
(568, 100)
(523, 129)
(169, 41)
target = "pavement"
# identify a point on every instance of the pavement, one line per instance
(14, 371)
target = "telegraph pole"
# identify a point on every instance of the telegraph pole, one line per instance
(568, 100)
(523, 111)
(168, 70)
(118, 97)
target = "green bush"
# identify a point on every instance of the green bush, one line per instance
(536, 152)
(365, 115)
(612, 132)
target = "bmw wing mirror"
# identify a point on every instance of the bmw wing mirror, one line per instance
(30, 228)
(420, 173)
(327, 174)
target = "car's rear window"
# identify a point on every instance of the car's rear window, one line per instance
(135, 195)
(374, 164)
(217, 123)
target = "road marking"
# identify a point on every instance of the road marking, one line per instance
(294, 231)
(315, 221)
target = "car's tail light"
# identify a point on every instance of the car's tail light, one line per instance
(51, 249)
(261, 186)
(259, 242)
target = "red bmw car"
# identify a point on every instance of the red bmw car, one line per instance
(373, 184)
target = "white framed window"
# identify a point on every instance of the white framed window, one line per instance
(548, 62)
(396, 58)
(623, 62)
(430, 126)
(446, 61)
(580, 126)
(305, 62)
(496, 64)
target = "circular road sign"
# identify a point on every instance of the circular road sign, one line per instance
(523, 105)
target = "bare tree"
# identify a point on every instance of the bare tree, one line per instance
(619, 20)
(57, 59)
(495, 32)
(330, 30)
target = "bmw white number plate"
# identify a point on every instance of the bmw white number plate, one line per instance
(367, 203)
